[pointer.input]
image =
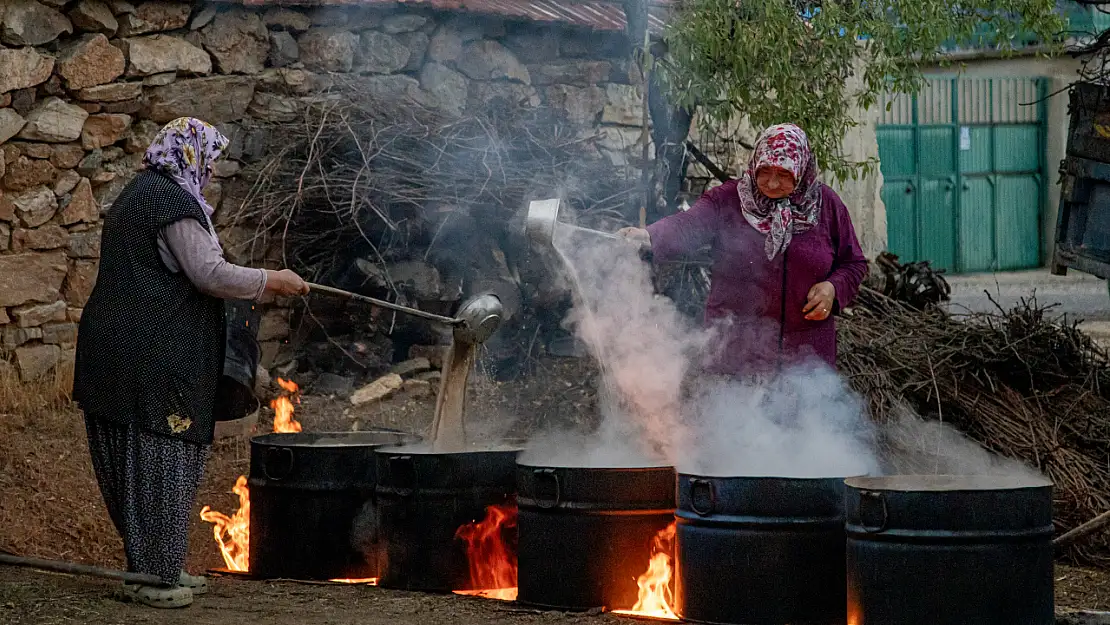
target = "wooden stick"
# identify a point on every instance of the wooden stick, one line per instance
(717, 172)
(80, 569)
(1067, 539)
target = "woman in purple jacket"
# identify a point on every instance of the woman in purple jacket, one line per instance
(785, 258)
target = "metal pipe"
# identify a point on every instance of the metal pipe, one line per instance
(80, 569)
(449, 321)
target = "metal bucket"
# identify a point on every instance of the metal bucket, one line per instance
(311, 494)
(949, 549)
(760, 550)
(585, 534)
(423, 498)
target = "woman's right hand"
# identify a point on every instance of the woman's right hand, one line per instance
(638, 235)
(286, 283)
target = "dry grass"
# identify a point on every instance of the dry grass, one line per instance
(50, 505)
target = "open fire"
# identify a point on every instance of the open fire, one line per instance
(492, 562)
(232, 533)
(656, 598)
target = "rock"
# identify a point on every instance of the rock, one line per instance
(7, 208)
(73, 315)
(327, 50)
(82, 206)
(91, 164)
(64, 334)
(225, 168)
(47, 237)
(538, 46)
(287, 19)
(238, 40)
(23, 101)
(154, 16)
(10, 124)
(104, 130)
(84, 244)
(213, 193)
(489, 60)
(379, 53)
(4, 320)
(26, 173)
(160, 80)
(36, 361)
(273, 108)
(431, 377)
(446, 45)
(54, 121)
(485, 94)
(395, 86)
(351, 18)
(31, 278)
(5, 242)
(416, 278)
(94, 16)
(90, 61)
(332, 384)
(617, 143)
(581, 74)
(623, 105)
(23, 68)
(158, 54)
(66, 156)
(35, 150)
(29, 23)
(33, 315)
(410, 367)
(449, 87)
(141, 135)
(13, 337)
(583, 105)
(283, 49)
(418, 388)
(121, 7)
(67, 181)
(204, 18)
(377, 390)
(417, 43)
(129, 107)
(274, 325)
(79, 283)
(115, 92)
(216, 100)
(35, 207)
(434, 354)
(403, 23)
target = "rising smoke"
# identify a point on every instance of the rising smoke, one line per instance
(806, 423)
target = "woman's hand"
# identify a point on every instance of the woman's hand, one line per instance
(636, 235)
(819, 301)
(285, 283)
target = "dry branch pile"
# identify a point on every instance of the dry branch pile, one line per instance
(373, 177)
(1021, 384)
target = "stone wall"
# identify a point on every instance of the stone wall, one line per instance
(85, 84)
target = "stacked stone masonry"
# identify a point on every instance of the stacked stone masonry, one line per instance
(85, 84)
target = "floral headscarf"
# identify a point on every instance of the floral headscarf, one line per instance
(185, 150)
(785, 146)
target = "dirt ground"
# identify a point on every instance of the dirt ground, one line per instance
(28, 597)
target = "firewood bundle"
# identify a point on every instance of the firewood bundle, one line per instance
(915, 284)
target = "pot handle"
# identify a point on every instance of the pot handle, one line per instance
(540, 474)
(873, 513)
(697, 484)
(398, 466)
(274, 468)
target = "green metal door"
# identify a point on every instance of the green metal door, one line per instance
(964, 173)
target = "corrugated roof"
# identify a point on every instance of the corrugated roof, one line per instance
(595, 15)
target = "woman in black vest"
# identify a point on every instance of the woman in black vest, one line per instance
(150, 352)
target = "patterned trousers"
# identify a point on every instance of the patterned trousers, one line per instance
(149, 483)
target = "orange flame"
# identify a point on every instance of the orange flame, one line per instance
(233, 533)
(283, 408)
(369, 581)
(492, 562)
(656, 597)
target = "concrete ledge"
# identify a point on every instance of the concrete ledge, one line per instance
(1082, 617)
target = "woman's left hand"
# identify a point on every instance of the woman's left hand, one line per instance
(819, 301)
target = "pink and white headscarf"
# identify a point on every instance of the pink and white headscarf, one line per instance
(785, 146)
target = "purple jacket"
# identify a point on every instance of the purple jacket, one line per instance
(757, 303)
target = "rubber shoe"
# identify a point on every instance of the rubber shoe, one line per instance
(196, 583)
(154, 597)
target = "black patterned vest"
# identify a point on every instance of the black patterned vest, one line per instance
(150, 346)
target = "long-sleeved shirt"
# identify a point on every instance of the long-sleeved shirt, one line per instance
(757, 303)
(185, 246)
